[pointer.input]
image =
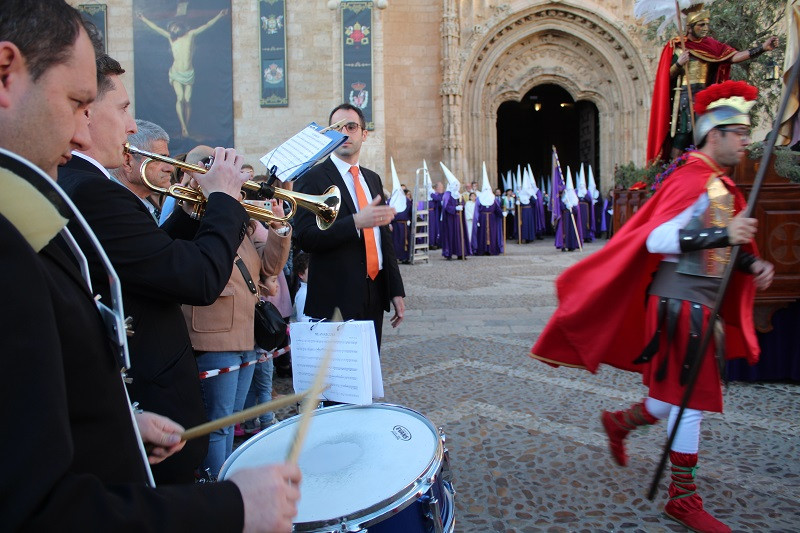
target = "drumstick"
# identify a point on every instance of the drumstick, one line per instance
(252, 412)
(312, 395)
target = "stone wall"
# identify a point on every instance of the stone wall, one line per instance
(441, 70)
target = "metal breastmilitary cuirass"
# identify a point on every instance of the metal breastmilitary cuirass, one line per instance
(697, 72)
(712, 261)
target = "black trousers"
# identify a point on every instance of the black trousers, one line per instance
(374, 305)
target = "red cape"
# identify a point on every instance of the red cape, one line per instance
(706, 49)
(601, 312)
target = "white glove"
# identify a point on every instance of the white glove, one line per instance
(505, 214)
(459, 208)
(518, 202)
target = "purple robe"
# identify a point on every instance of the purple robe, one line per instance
(434, 220)
(566, 236)
(487, 231)
(587, 217)
(598, 216)
(540, 222)
(400, 233)
(453, 228)
(528, 213)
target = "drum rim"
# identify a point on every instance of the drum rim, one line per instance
(376, 512)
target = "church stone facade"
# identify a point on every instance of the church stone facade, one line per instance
(441, 70)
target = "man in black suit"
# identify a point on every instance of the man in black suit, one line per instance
(160, 269)
(77, 467)
(343, 272)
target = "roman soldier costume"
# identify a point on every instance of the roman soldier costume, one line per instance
(664, 301)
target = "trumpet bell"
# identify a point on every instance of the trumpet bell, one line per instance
(325, 206)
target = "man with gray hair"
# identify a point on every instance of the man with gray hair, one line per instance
(149, 137)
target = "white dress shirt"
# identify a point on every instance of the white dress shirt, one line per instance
(664, 239)
(344, 169)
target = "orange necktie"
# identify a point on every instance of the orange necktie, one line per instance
(369, 235)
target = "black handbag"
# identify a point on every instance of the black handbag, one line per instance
(269, 327)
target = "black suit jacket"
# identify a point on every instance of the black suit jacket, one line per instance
(160, 269)
(76, 465)
(337, 272)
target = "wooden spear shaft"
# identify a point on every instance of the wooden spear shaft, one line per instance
(682, 37)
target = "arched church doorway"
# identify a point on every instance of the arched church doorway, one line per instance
(546, 116)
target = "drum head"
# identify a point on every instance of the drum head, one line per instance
(355, 459)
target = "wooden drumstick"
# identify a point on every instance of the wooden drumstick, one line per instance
(252, 412)
(312, 395)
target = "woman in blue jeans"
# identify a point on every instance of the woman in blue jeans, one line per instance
(222, 333)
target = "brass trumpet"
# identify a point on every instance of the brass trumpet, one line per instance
(325, 206)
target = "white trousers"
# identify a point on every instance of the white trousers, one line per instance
(687, 440)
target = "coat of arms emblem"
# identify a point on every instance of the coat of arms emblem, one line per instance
(359, 97)
(273, 74)
(357, 34)
(272, 23)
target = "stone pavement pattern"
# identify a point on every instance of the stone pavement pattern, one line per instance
(526, 446)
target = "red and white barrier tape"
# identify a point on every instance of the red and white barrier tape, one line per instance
(218, 371)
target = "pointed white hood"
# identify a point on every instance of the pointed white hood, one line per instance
(426, 177)
(581, 189)
(526, 189)
(453, 185)
(569, 197)
(486, 197)
(534, 188)
(398, 198)
(593, 186)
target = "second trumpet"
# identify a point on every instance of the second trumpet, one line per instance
(325, 206)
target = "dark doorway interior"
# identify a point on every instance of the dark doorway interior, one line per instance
(546, 116)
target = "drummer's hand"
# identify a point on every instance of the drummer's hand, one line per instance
(161, 436)
(270, 495)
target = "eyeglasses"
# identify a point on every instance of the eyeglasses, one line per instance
(351, 127)
(741, 132)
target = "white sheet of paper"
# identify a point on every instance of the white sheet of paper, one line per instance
(355, 374)
(295, 152)
(377, 374)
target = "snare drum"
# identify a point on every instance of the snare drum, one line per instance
(380, 466)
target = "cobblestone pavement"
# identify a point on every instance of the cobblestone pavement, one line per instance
(526, 445)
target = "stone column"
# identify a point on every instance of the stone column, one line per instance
(451, 90)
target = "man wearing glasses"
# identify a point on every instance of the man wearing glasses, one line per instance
(664, 269)
(353, 265)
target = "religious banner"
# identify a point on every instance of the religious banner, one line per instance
(272, 24)
(97, 14)
(357, 57)
(184, 70)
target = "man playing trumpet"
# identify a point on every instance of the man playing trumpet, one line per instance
(185, 262)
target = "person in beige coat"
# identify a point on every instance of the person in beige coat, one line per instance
(222, 333)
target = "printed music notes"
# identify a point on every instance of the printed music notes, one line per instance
(302, 150)
(355, 370)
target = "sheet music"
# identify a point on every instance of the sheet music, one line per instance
(293, 154)
(354, 375)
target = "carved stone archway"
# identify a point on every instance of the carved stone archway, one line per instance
(582, 51)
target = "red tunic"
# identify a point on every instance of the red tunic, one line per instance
(601, 316)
